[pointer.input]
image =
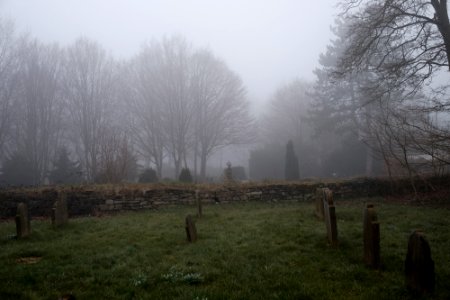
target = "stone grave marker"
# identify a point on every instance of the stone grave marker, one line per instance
(371, 237)
(23, 226)
(60, 215)
(199, 203)
(419, 266)
(319, 203)
(191, 231)
(330, 217)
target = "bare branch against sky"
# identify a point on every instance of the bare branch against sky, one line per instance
(267, 42)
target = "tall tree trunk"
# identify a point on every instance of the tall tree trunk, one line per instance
(443, 24)
(203, 159)
(369, 161)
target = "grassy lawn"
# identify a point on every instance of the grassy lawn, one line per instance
(244, 251)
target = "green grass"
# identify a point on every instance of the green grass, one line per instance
(244, 251)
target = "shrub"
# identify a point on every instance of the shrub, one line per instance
(65, 171)
(185, 175)
(148, 176)
(238, 173)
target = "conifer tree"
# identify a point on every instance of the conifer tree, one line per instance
(65, 171)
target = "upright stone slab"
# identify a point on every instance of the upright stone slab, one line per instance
(23, 226)
(328, 196)
(199, 203)
(419, 266)
(60, 215)
(319, 203)
(191, 231)
(371, 236)
(330, 217)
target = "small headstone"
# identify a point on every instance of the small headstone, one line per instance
(228, 174)
(191, 231)
(319, 203)
(60, 215)
(199, 203)
(371, 236)
(23, 226)
(419, 266)
(328, 194)
(330, 218)
(67, 297)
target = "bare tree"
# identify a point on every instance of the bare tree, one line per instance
(89, 83)
(220, 110)
(161, 107)
(145, 105)
(405, 44)
(288, 113)
(116, 159)
(39, 115)
(9, 80)
(174, 93)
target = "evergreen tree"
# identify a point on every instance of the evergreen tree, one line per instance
(291, 170)
(65, 171)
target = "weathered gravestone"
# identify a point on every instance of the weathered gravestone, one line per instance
(23, 226)
(228, 174)
(371, 236)
(199, 203)
(419, 267)
(60, 215)
(330, 217)
(191, 231)
(319, 203)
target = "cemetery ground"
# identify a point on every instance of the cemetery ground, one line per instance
(248, 250)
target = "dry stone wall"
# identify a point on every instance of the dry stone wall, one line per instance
(92, 200)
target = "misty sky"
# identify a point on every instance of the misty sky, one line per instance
(267, 42)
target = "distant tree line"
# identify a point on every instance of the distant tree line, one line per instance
(76, 114)
(293, 132)
(380, 102)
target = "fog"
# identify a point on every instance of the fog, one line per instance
(123, 91)
(268, 43)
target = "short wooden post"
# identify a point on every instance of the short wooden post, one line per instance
(23, 226)
(199, 203)
(330, 218)
(371, 236)
(319, 203)
(191, 231)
